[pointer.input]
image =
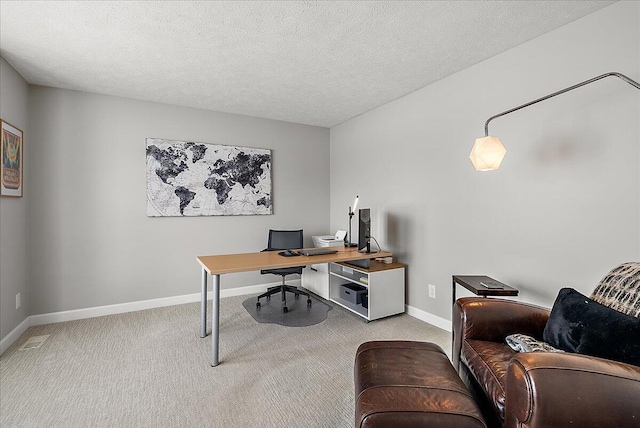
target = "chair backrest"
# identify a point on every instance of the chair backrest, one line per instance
(285, 239)
(620, 289)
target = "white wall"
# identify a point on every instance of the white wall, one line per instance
(13, 211)
(562, 210)
(91, 243)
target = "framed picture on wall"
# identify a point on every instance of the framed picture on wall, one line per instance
(186, 178)
(11, 161)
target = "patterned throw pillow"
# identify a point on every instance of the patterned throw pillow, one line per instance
(620, 289)
(523, 343)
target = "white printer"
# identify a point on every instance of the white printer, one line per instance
(336, 240)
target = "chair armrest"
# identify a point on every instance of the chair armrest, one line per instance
(561, 389)
(493, 320)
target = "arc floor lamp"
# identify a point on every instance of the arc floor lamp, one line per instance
(487, 152)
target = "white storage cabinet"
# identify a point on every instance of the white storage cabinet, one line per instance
(384, 284)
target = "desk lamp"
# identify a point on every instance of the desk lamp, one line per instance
(351, 213)
(487, 152)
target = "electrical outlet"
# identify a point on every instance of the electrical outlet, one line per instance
(432, 291)
(18, 301)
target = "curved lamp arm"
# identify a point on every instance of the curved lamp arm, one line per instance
(488, 152)
(562, 91)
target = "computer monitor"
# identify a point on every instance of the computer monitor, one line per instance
(364, 230)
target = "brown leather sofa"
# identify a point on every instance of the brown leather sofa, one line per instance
(539, 389)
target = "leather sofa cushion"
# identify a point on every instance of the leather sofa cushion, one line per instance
(410, 384)
(488, 363)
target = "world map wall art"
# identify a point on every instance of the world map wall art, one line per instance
(201, 179)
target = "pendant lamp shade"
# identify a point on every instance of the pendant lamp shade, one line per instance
(487, 153)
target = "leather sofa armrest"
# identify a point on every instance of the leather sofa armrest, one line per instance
(562, 389)
(493, 320)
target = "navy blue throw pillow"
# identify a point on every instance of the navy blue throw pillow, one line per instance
(578, 324)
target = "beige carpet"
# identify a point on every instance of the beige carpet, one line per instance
(151, 369)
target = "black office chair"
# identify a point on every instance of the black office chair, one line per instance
(283, 240)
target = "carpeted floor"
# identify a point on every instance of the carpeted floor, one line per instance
(151, 369)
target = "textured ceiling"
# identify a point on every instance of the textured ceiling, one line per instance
(317, 63)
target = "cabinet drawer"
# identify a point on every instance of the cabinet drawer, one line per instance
(322, 267)
(316, 280)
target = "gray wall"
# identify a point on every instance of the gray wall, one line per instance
(562, 210)
(91, 242)
(13, 211)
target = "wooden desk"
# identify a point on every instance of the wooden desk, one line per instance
(231, 263)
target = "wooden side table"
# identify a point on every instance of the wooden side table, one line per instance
(476, 284)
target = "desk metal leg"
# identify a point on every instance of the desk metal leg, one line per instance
(215, 320)
(203, 305)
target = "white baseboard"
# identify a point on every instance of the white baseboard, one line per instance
(13, 335)
(121, 308)
(439, 322)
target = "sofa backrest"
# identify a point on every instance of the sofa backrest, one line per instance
(620, 289)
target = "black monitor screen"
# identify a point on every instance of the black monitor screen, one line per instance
(364, 230)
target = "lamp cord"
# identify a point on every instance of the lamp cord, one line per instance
(377, 245)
